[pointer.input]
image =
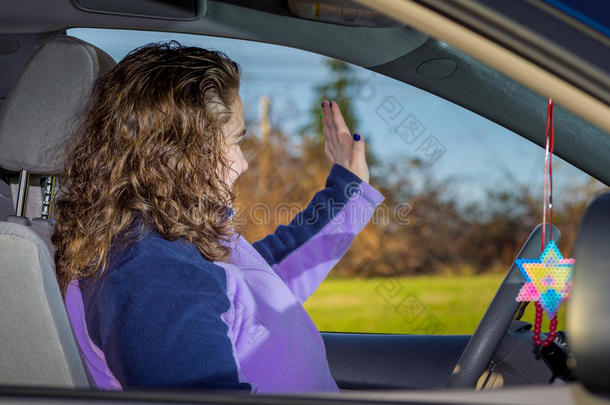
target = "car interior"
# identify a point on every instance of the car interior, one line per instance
(47, 77)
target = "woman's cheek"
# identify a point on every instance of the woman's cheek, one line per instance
(244, 164)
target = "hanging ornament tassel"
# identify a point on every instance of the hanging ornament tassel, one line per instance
(538, 323)
(548, 279)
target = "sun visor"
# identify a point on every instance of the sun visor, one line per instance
(165, 9)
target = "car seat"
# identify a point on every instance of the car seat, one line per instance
(37, 344)
(6, 199)
(587, 316)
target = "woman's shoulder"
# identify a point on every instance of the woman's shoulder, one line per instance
(151, 261)
(149, 245)
(158, 287)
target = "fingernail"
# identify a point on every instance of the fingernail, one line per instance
(322, 104)
(331, 104)
(356, 137)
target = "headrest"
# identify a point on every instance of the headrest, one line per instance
(588, 312)
(42, 108)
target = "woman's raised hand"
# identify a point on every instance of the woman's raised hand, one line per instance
(341, 146)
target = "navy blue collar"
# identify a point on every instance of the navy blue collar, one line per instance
(229, 214)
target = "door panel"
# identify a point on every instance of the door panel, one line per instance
(386, 361)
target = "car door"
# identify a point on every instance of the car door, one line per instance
(362, 358)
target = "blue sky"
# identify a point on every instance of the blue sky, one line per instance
(479, 152)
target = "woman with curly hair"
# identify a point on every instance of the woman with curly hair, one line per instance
(161, 290)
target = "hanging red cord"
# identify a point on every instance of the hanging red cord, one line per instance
(548, 175)
(548, 182)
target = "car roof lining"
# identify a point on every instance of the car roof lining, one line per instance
(225, 19)
(394, 51)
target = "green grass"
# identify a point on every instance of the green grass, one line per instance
(437, 304)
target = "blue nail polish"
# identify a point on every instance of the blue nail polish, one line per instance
(356, 137)
(331, 104)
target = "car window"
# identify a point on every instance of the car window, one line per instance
(462, 193)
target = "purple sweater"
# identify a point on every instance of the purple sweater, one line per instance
(161, 315)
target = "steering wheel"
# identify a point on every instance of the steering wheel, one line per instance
(492, 327)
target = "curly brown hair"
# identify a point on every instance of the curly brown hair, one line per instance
(148, 152)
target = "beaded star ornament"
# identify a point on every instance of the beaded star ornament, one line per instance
(548, 279)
